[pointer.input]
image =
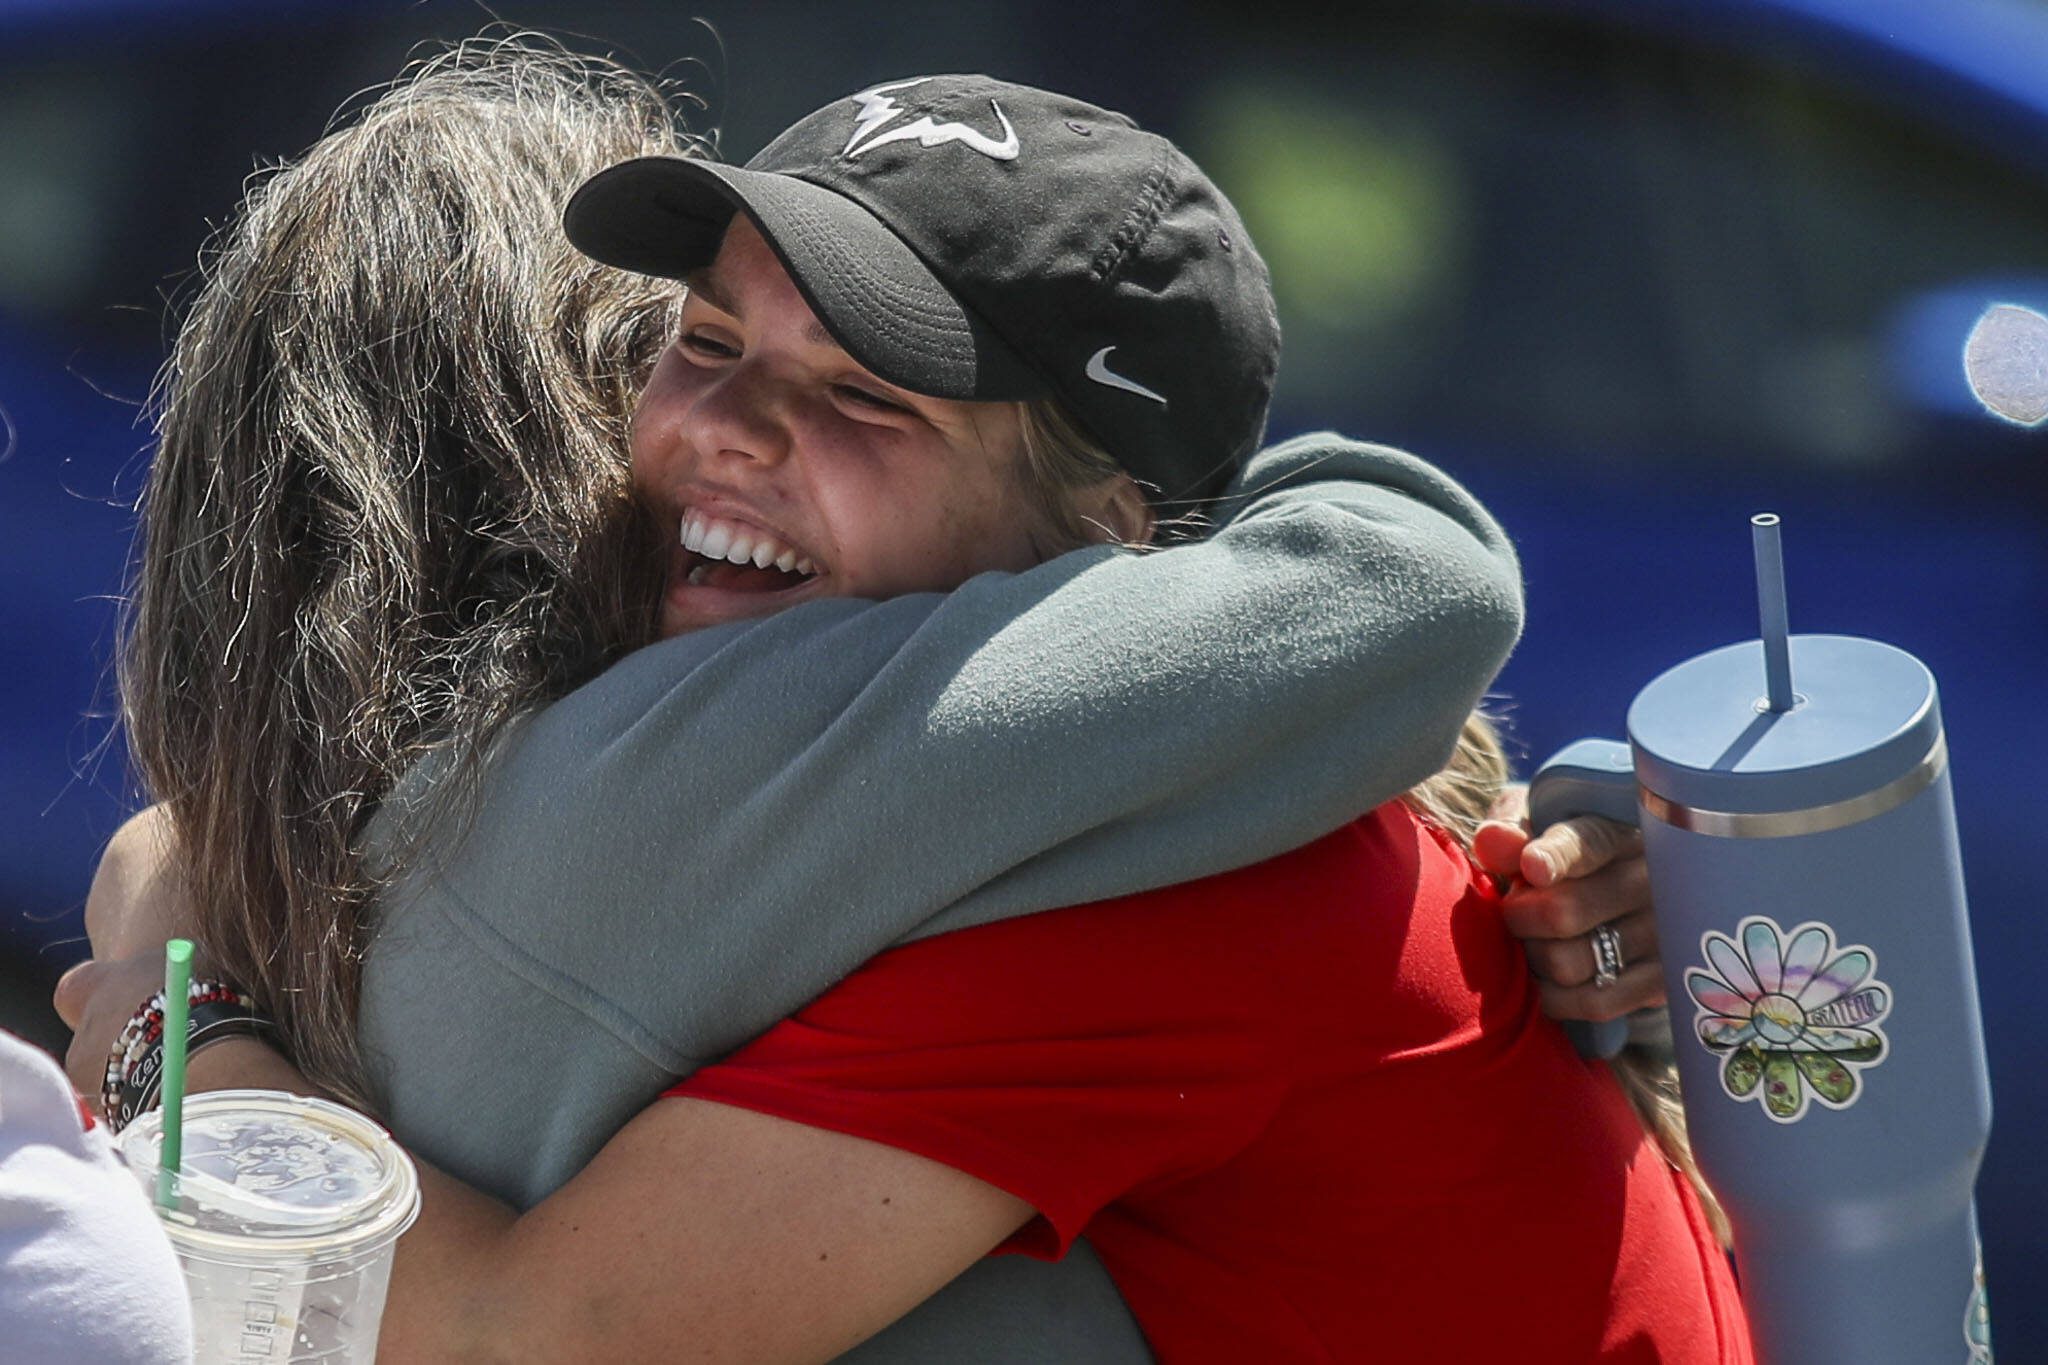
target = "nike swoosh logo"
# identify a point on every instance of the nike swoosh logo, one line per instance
(1102, 374)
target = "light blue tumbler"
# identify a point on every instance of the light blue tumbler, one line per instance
(1793, 794)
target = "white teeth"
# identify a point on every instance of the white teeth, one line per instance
(738, 543)
(697, 574)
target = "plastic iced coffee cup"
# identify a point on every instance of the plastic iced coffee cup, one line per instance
(285, 1215)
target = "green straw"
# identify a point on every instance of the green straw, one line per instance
(177, 983)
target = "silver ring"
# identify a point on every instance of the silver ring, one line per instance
(1607, 961)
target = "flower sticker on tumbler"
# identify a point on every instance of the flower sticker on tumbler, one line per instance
(1794, 1016)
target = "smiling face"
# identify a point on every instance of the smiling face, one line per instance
(790, 472)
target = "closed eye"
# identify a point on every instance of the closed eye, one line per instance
(705, 346)
(869, 399)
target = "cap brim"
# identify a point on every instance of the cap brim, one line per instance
(666, 216)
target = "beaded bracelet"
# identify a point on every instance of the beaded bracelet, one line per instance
(134, 1075)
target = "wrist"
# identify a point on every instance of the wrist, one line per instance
(242, 1062)
(214, 1016)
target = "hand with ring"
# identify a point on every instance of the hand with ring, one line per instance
(1578, 896)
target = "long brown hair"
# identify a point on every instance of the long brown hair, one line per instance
(389, 507)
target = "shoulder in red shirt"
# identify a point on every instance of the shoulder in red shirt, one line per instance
(1307, 1110)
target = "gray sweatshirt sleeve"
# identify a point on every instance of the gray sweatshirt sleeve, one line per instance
(757, 809)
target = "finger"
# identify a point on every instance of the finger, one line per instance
(74, 990)
(1578, 847)
(1639, 986)
(1572, 908)
(1497, 847)
(1569, 961)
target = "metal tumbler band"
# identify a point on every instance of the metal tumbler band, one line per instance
(1779, 824)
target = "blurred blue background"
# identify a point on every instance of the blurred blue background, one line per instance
(1632, 269)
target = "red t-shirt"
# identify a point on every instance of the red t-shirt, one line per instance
(1307, 1110)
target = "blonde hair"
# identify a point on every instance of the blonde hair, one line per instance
(390, 505)
(1649, 1077)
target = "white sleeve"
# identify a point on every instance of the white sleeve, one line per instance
(90, 1277)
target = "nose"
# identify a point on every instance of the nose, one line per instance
(745, 416)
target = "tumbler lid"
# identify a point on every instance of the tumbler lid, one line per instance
(1866, 714)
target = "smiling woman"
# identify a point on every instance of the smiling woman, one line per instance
(764, 441)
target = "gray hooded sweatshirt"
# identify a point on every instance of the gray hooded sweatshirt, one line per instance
(663, 864)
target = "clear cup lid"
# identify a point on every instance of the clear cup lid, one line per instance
(266, 1167)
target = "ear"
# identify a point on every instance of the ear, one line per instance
(1118, 505)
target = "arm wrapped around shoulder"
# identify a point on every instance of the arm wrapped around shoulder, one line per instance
(1423, 586)
(1226, 700)
(1106, 723)
(844, 775)
(1146, 719)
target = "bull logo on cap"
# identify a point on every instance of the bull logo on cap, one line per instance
(877, 109)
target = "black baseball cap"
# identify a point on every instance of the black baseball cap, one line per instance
(967, 238)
